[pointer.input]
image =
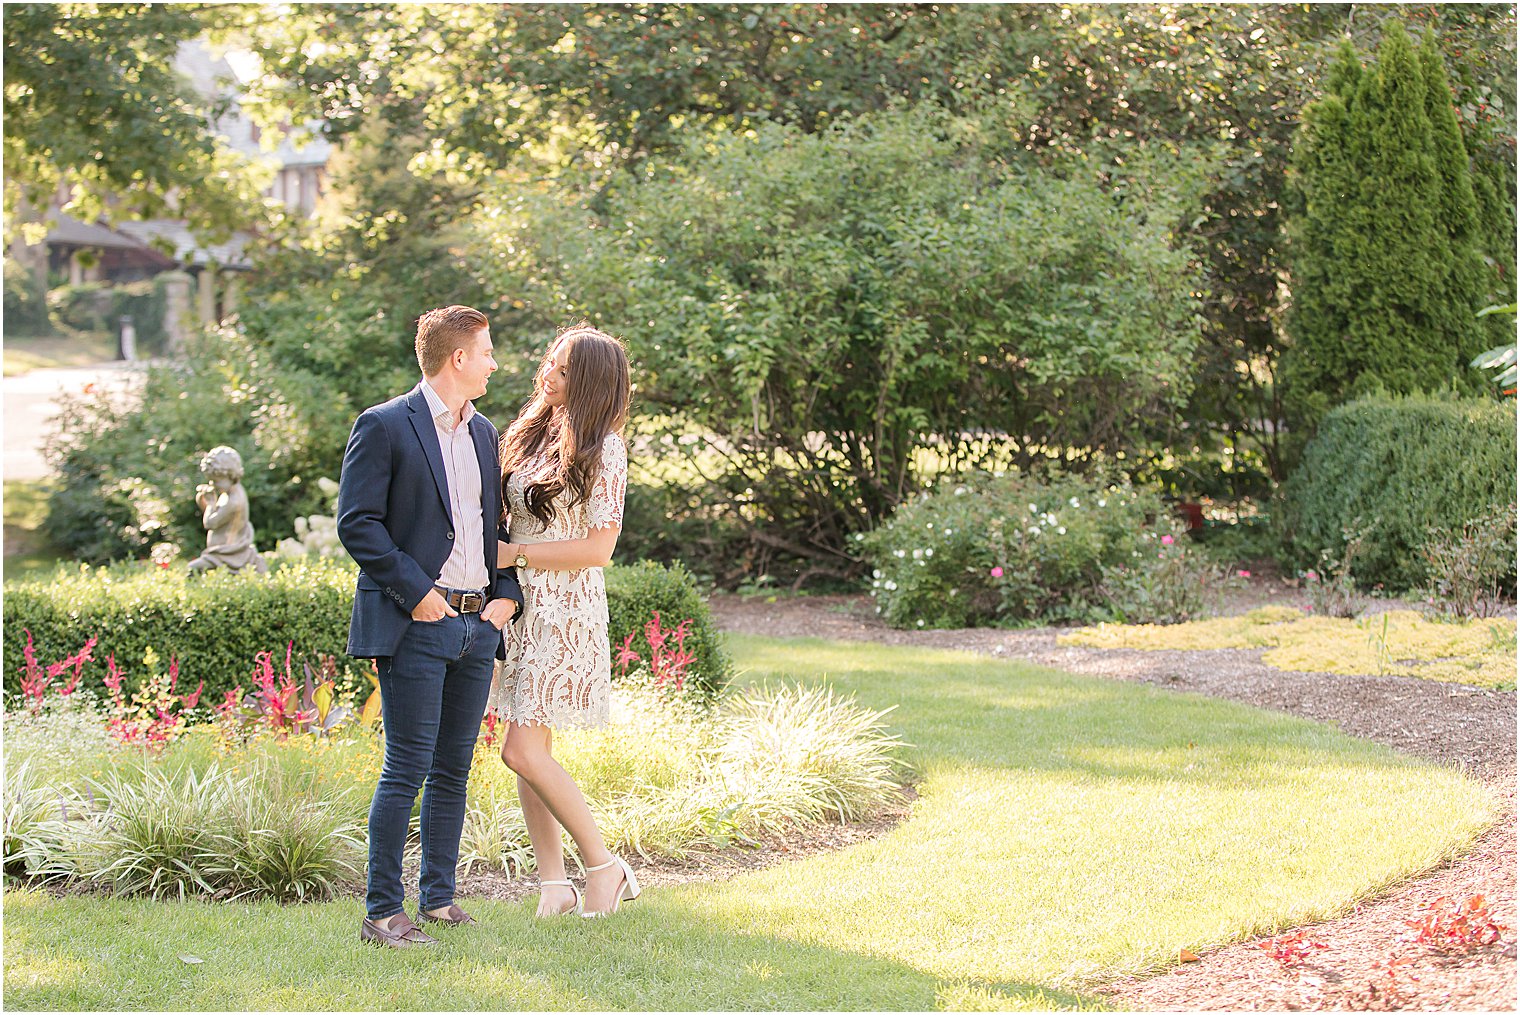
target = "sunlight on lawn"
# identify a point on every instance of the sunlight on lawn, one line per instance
(1402, 642)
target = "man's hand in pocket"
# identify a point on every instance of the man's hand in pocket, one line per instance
(498, 612)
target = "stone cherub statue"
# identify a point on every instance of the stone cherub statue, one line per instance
(224, 513)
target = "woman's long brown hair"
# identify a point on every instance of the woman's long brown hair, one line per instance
(596, 404)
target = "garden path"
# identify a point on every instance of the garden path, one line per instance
(1468, 727)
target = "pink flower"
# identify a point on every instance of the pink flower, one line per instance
(1311, 576)
(997, 572)
(1243, 574)
(1167, 540)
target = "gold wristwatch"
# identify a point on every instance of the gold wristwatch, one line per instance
(521, 559)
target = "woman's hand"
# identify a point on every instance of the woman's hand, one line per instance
(507, 553)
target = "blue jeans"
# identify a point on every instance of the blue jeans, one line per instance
(433, 694)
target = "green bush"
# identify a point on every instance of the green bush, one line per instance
(126, 479)
(635, 592)
(26, 311)
(216, 624)
(1015, 549)
(1393, 470)
(83, 307)
(146, 302)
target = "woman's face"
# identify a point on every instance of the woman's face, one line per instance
(555, 375)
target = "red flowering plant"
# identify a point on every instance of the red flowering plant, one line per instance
(157, 713)
(36, 679)
(282, 706)
(668, 664)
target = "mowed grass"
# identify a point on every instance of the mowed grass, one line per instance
(1069, 830)
(27, 548)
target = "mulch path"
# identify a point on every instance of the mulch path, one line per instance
(1370, 960)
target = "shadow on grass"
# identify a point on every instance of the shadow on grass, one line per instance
(86, 954)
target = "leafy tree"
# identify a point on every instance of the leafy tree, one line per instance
(1387, 270)
(92, 102)
(830, 314)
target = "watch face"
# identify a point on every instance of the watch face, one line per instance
(522, 560)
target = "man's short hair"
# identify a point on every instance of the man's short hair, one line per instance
(441, 331)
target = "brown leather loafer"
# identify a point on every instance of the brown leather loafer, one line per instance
(403, 933)
(453, 916)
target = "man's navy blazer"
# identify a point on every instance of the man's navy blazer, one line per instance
(394, 518)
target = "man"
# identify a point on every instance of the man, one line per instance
(419, 500)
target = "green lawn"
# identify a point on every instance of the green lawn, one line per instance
(23, 354)
(27, 549)
(1068, 830)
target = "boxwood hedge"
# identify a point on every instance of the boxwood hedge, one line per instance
(1394, 469)
(216, 624)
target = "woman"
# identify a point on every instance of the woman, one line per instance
(563, 473)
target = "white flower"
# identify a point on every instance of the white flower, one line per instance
(949, 532)
(1033, 531)
(899, 553)
(890, 586)
(929, 551)
(960, 491)
(1102, 502)
(875, 573)
(875, 585)
(1073, 502)
(860, 537)
(878, 609)
(954, 591)
(1033, 509)
(918, 554)
(1061, 531)
(920, 622)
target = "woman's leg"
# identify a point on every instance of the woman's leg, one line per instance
(548, 848)
(526, 750)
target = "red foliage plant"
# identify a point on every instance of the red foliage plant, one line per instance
(668, 665)
(1290, 950)
(1456, 926)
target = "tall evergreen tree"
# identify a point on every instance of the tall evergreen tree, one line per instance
(1387, 270)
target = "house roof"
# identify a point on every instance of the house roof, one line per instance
(173, 235)
(72, 232)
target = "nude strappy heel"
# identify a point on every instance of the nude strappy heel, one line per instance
(580, 906)
(627, 893)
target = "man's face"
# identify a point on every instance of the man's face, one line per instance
(478, 363)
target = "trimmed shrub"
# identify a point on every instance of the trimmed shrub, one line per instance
(215, 625)
(1015, 548)
(1395, 470)
(635, 592)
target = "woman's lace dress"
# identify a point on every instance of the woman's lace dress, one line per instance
(558, 669)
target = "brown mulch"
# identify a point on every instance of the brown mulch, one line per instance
(1370, 961)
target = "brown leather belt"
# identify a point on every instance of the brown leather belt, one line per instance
(463, 600)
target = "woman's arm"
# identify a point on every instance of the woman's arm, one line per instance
(563, 554)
